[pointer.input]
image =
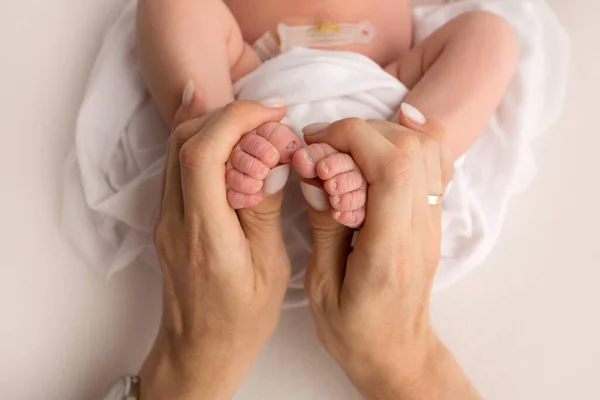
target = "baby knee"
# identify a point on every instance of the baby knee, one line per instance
(495, 33)
(493, 27)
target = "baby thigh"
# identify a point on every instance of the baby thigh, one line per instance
(191, 40)
(459, 74)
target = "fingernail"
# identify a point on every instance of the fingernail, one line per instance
(316, 197)
(276, 179)
(288, 122)
(313, 129)
(337, 215)
(336, 200)
(308, 157)
(413, 114)
(188, 94)
(291, 146)
(325, 167)
(273, 102)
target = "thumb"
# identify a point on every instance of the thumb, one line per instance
(191, 106)
(262, 227)
(331, 246)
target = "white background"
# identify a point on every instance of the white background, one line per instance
(525, 325)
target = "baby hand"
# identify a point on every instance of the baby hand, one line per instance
(345, 188)
(259, 164)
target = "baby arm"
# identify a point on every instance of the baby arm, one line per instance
(191, 40)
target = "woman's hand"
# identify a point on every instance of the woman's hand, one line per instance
(371, 304)
(225, 275)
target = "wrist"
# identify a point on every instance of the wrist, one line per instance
(202, 371)
(400, 371)
(432, 374)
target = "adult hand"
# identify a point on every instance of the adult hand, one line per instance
(371, 304)
(223, 287)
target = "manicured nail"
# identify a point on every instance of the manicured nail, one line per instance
(273, 102)
(316, 197)
(276, 179)
(288, 122)
(313, 129)
(188, 94)
(413, 114)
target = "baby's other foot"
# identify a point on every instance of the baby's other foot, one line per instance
(344, 186)
(259, 165)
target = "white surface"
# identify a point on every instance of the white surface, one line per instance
(525, 325)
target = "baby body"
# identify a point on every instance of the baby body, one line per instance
(457, 76)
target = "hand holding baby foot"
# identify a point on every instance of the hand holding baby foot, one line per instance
(259, 165)
(345, 189)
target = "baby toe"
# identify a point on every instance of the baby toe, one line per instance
(305, 160)
(351, 219)
(246, 164)
(349, 201)
(260, 148)
(283, 139)
(242, 183)
(345, 183)
(334, 165)
(239, 200)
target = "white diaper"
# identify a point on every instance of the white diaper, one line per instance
(113, 174)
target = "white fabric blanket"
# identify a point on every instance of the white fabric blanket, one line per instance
(113, 174)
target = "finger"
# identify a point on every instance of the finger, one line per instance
(204, 157)
(242, 183)
(186, 111)
(305, 160)
(439, 164)
(260, 148)
(421, 215)
(349, 201)
(282, 138)
(249, 165)
(352, 219)
(173, 192)
(239, 200)
(344, 183)
(325, 270)
(334, 165)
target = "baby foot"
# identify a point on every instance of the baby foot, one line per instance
(259, 165)
(344, 186)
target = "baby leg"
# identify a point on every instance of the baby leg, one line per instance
(191, 40)
(259, 165)
(459, 74)
(344, 187)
